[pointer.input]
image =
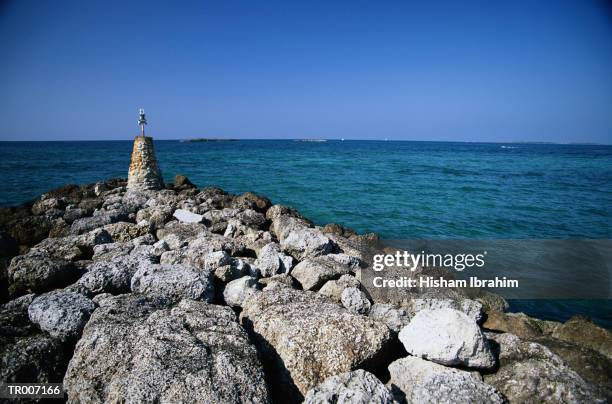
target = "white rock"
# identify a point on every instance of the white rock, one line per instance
(356, 387)
(355, 301)
(186, 216)
(271, 261)
(238, 290)
(306, 242)
(415, 380)
(448, 337)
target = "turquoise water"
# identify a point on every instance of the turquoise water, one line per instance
(399, 190)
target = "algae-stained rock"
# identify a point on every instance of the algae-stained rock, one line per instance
(583, 332)
(414, 380)
(356, 387)
(448, 337)
(146, 351)
(62, 314)
(174, 282)
(305, 338)
(530, 373)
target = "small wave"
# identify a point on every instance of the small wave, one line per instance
(509, 147)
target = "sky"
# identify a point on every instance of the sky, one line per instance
(492, 70)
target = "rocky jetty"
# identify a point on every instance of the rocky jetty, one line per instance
(176, 294)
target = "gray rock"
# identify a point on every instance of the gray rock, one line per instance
(414, 380)
(39, 273)
(271, 261)
(101, 219)
(356, 387)
(305, 338)
(174, 282)
(183, 233)
(583, 332)
(156, 216)
(448, 337)
(355, 301)
(333, 289)
(312, 273)
(112, 276)
(145, 352)
(530, 373)
(62, 314)
(73, 248)
(186, 216)
(307, 242)
(394, 318)
(238, 290)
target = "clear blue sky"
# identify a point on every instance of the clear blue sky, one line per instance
(467, 71)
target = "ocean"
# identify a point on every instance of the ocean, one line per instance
(400, 190)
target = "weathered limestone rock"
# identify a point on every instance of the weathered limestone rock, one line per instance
(305, 338)
(334, 288)
(146, 352)
(396, 319)
(144, 173)
(515, 323)
(174, 282)
(471, 308)
(62, 314)
(271, 261)
(355, 301)
(312, 273)
(38, 272)
(356, 387)
(307, 242)
(237, 291)
(448, 337)
(186, 216)
(530, 373)
(414, 380)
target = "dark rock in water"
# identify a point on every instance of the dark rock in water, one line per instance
(62, 314)
(305, 338)
(145, 351)
(180, 181)
(38, 272)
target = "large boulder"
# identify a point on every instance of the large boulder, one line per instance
(414, 380)
(174, 282)
(355, 301)
(101, 219)
(530, 373)
(312, 273)
(62, 314)
(250, 200)
(356, 387)
(30, 230)
(144, 351)
(73, 248)
(395, 318)
(334, 288)
(305, 338)
(448, 337)
(38, 272)
(112, 276)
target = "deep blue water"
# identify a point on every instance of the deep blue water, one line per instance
(399, 190)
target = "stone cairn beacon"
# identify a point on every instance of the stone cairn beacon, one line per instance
(144, 173)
